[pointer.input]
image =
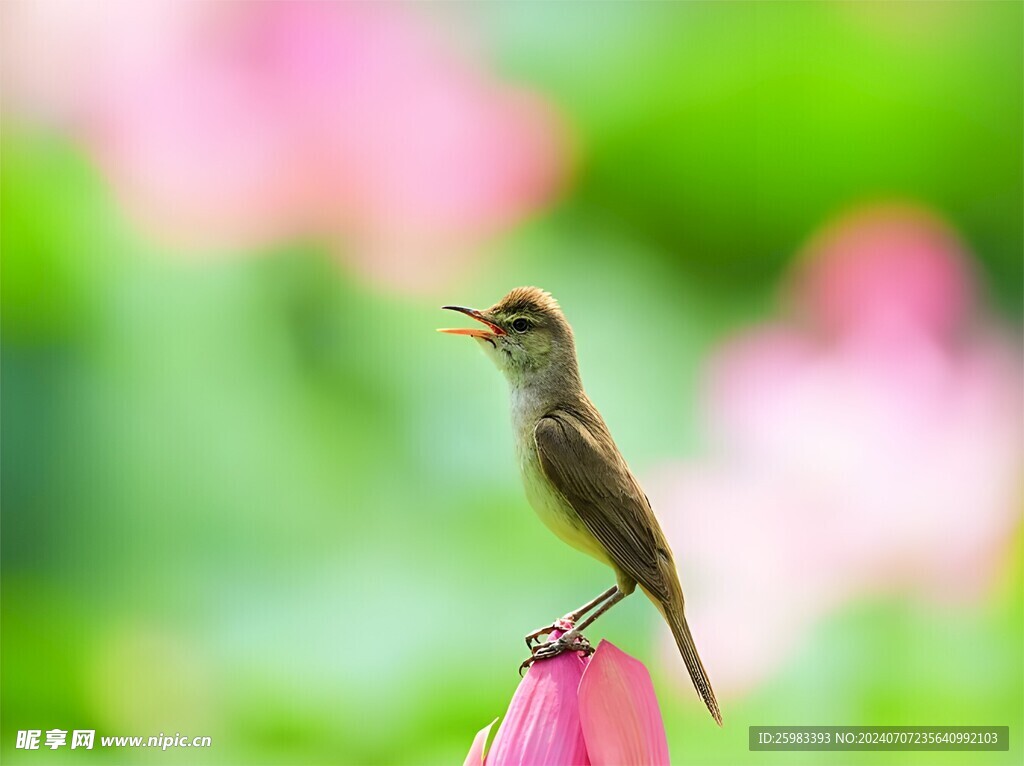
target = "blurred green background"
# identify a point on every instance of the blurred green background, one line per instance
(258, 498)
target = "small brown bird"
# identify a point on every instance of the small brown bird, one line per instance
(575, 477)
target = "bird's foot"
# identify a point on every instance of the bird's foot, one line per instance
(570, 641)
(564, 624)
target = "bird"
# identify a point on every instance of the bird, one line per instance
(574, 475)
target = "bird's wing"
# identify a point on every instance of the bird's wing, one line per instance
(597, 484)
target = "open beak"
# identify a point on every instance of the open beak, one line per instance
(473, 332)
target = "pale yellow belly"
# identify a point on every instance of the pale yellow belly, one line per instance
(556, 513)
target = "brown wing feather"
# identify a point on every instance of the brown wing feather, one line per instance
(580, 459)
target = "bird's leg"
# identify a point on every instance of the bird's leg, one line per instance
(615, 598)
(567, 622)
(572, 640)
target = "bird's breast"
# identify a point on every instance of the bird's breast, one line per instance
(554, 512)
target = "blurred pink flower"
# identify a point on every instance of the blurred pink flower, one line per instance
(240, 125)
(872, 445)
(572, 710)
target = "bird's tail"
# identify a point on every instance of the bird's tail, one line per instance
(684, 640)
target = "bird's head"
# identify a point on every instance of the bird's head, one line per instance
(525, 333)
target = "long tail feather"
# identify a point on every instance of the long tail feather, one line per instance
(684, 640)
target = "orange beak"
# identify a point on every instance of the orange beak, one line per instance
(473, 332)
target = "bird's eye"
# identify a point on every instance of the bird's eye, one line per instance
(521, 324)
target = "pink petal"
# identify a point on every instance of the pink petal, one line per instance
(542, 726)
(619, 711)
(886, 270)
(476, 751)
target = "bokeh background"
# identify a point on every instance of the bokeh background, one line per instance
(248, 493)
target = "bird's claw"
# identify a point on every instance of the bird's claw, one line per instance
(568, 642)
(564, 624)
